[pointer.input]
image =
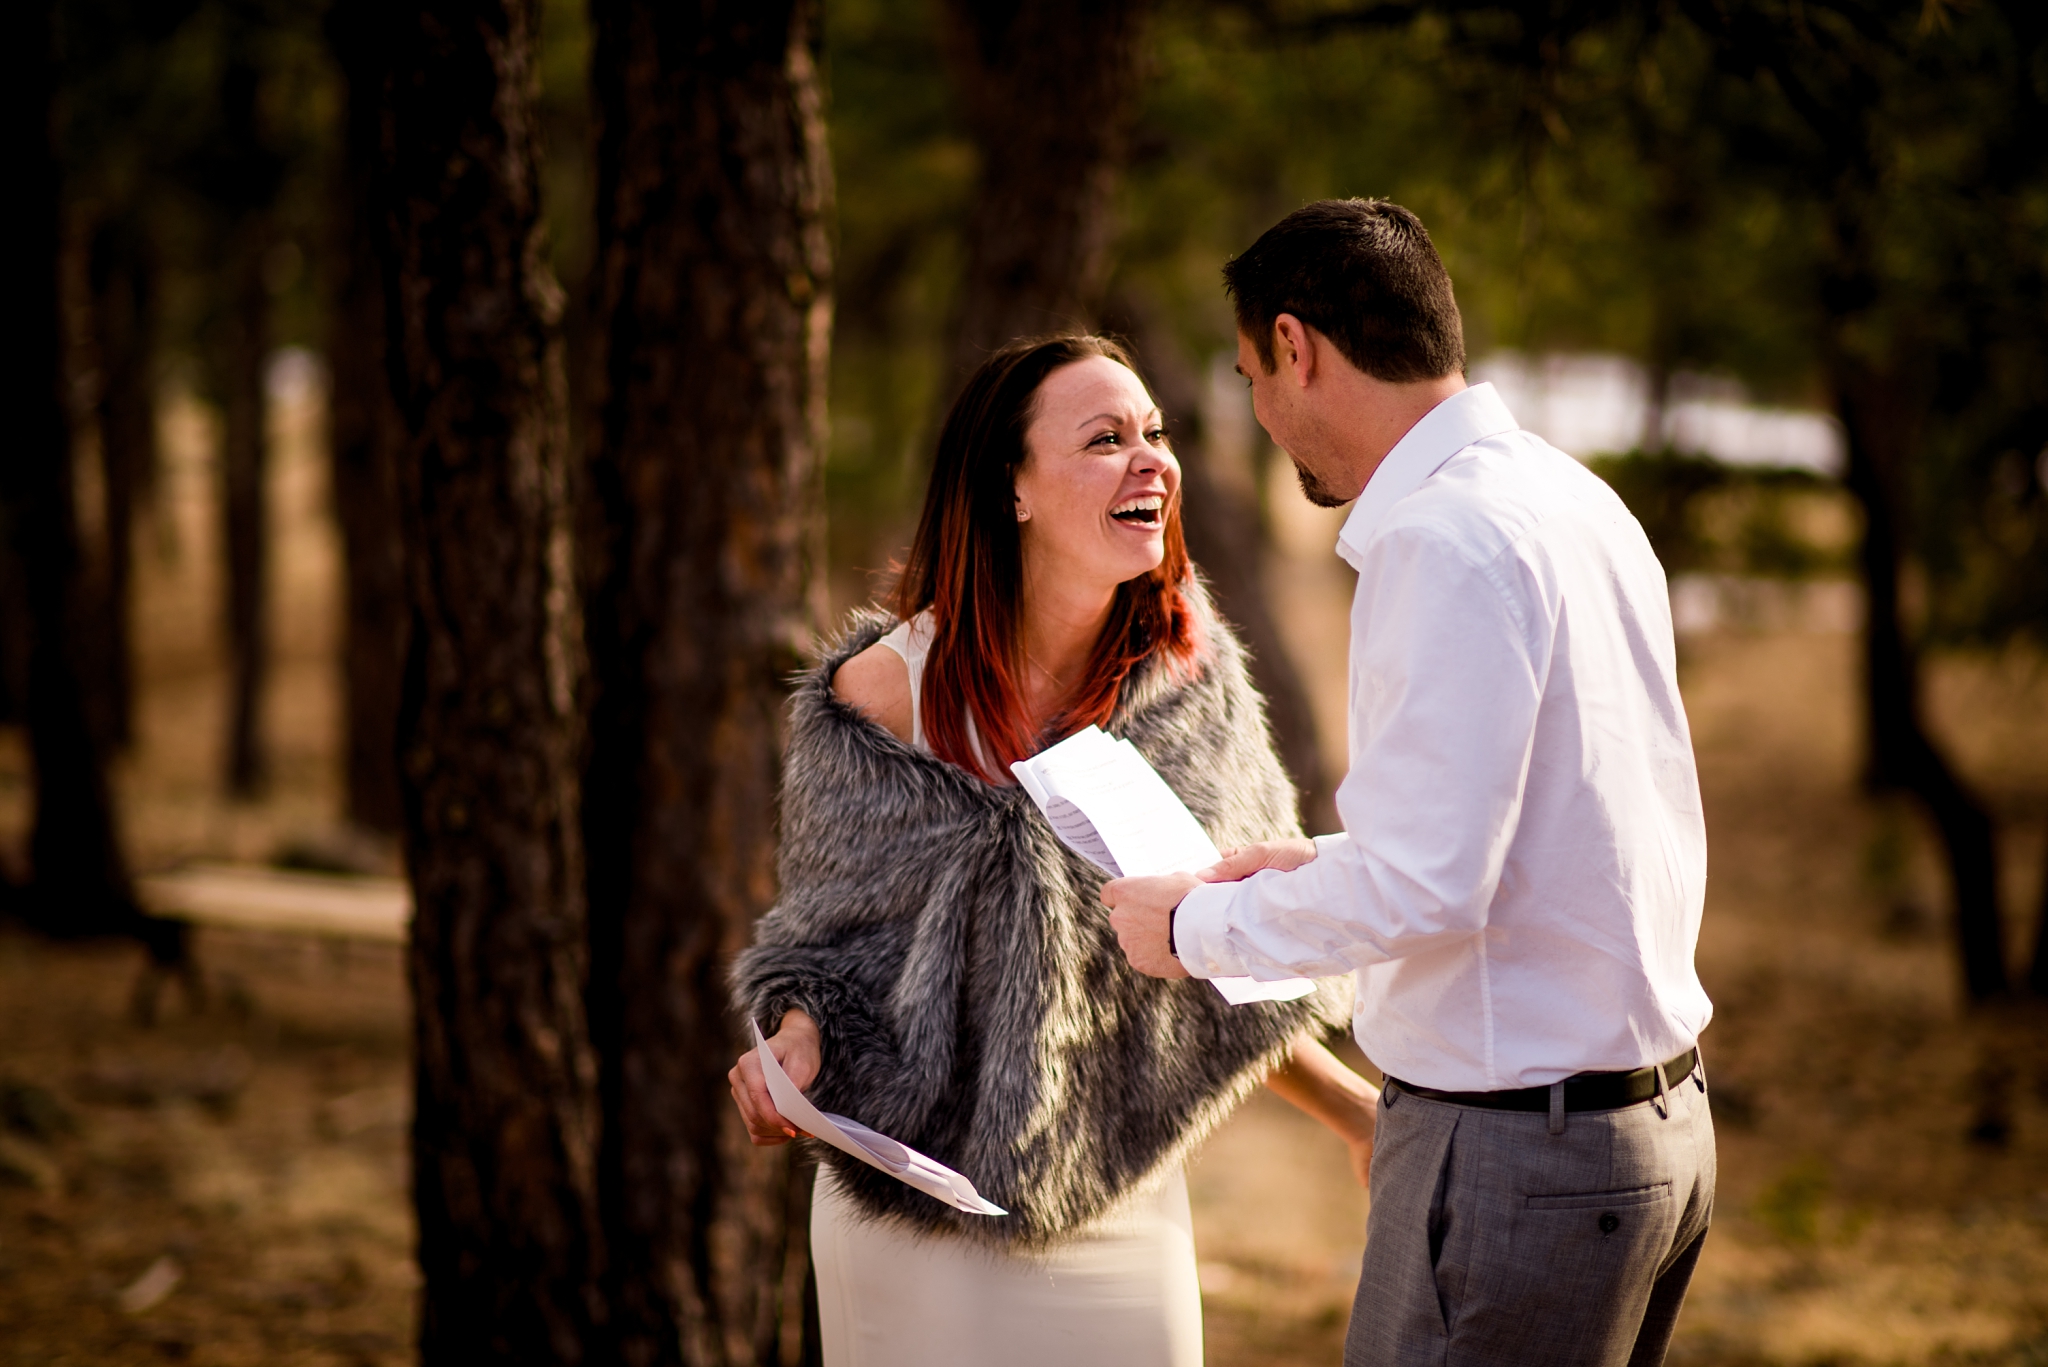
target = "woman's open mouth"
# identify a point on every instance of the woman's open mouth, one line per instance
(1144, 511)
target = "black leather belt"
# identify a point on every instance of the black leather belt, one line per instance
(1582, 1091)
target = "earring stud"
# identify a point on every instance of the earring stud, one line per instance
(1023, 514)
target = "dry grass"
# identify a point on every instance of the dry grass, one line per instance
(259, 1146)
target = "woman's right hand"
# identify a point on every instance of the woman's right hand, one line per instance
(798, 1048)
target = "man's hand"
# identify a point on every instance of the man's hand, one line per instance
(1246, 860)
(797, 1047)
(1141, 911)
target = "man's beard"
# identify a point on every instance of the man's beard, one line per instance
(1314, 490)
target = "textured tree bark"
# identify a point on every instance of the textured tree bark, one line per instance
(505, 1124)
(1901, 754)
(711, 310)
(1049, 88)
(362, 439)
(123, 282)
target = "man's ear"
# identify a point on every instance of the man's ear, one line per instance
(1294, 349)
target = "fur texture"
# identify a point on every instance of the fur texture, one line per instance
(971, 995)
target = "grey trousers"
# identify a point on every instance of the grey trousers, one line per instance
(1493, 1240)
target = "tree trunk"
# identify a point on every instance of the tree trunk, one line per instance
(1049, 88)
(123, 281)
(244, 539)
(505, 1127)
(80, 875)
(362, 440)
(2037, 971)
(1901, 754)
(1225, 537)
(711, 311)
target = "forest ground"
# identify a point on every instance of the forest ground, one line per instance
(1884, 1155)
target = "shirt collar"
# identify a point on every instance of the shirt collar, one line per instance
(1468, 416)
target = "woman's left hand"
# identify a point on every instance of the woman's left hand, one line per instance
(1316, 1081)
(798, 1048)
(1361, 1157)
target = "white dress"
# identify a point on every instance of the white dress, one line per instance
(1117, 1292)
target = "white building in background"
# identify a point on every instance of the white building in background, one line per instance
(1591, 405)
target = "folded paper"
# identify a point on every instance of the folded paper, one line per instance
(877, 1150)
(1109, 805)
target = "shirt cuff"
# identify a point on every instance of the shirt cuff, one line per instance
(1200, 932)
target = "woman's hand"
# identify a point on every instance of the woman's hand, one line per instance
(1361, 1159)
(1316, 1081)
(798, 1048)
(1246, 860)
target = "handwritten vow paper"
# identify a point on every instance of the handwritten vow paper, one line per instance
(1111, 807)
(875, 1149)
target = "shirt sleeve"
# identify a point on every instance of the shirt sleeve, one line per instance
(1448, 661)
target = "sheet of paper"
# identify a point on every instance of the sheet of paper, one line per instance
(1108, 804)
(1238, 991)
(877, 1150)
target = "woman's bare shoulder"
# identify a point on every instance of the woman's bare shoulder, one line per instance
(877, 681)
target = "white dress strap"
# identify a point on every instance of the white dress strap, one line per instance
(913, 641)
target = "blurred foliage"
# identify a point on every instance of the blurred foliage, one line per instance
(1247, 117)
(1790, 1207)
(188, 114)
(1639, 179)
(905, 170)
(1562, 231)
(1704, 516)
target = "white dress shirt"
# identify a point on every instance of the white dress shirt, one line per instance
(1519, 882)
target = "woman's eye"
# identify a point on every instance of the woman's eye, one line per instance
(1156, 436)
(1109, 437)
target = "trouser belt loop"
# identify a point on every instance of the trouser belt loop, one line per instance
(1699, 1068)
(1663, 1091)
(1557, 1107)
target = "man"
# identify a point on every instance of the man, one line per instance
(1519, 882)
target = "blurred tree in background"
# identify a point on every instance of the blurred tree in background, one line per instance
(1047, 89)
(363, 435)
(195, 135)
(78, 873)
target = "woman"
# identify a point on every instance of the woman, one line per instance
(938, 967)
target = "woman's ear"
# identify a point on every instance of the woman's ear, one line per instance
(1023, 513)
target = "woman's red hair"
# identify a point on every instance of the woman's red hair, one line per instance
(967, 567)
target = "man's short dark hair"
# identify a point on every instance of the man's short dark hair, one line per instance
(1362, 272)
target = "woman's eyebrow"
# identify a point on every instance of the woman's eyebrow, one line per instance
(1110, 417)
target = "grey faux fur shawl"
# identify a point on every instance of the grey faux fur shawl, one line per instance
(970, 993)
